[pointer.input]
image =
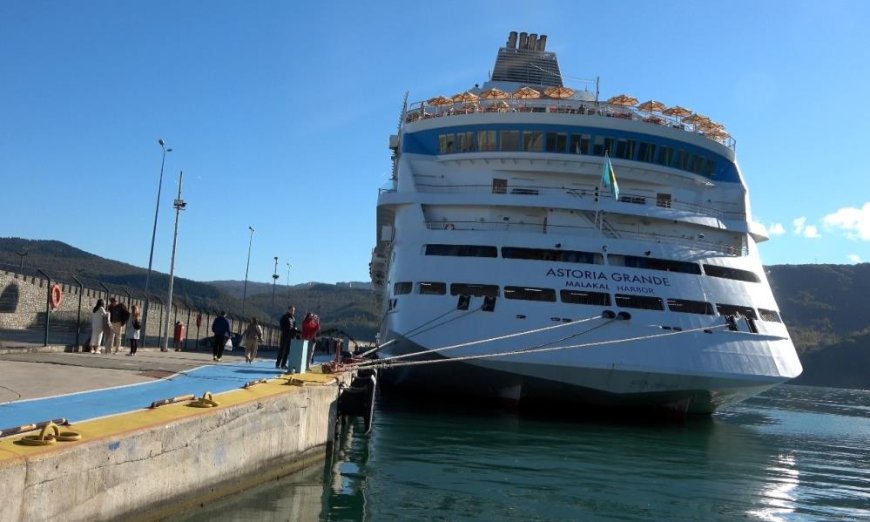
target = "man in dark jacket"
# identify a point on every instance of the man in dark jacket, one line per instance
(221, 329)
(288, 331)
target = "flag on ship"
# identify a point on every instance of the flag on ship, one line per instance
(608, 177)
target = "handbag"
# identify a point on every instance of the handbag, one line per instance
(137, 325)
(228, 346)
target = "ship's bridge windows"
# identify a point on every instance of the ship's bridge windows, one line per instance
(585, 298)
(467, 142)
(728, 272)
(543, 254)
(402, 288)
(771, 316)
(624, 149)
(486, 141)
(580, 143)
(729, 309)
(533, 141)
(643, 302)
(690, 307)
(557, 141)
(461, 250)
(666, 155)
(474, 290)
(431, 288)
(447, 143)
(646, 152)
(510, 140)
(652, 263)
(526, 293)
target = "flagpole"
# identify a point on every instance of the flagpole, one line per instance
(598, 192)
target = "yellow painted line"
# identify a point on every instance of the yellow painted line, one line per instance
(117, 425)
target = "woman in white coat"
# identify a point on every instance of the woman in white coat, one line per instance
(98, 318)
(133, 329)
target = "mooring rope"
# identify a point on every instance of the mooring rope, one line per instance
(491, 339)
(388, 363)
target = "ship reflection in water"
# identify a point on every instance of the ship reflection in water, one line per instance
(793, 453)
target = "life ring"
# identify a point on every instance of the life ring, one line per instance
(56, 296)
(449, 226)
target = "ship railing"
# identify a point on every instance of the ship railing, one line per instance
(422, 110)
(580, 192)
(691, 242)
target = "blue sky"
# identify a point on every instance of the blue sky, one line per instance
(279, 114)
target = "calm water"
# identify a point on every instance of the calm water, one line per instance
(794, 453)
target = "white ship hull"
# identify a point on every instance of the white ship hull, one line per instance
(517, 274)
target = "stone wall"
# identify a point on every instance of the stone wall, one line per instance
(24, 307)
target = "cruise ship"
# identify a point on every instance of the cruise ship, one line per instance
(538, 245)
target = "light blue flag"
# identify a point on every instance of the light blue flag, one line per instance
(608, 177)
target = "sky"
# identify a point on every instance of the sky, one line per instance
(279, 114)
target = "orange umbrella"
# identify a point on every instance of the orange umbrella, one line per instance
(677, 111)
(652, 106)
(439, 101)
(623, 99)
(526, 93)
(559, 92)
(696, 119)
(494, 94)
(465, 97)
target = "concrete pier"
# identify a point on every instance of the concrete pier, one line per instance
(150, 463)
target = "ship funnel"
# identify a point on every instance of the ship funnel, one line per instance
(524, 41)
(533, 42)
(542, 43)
(512, 40)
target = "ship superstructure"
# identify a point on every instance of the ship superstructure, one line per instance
(535, 243)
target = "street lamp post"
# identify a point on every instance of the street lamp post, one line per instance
(153, 236)
(22, 255)
(179, 205)
(247, 266)
(288, 280)
(274, 281)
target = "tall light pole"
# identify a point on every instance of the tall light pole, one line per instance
(179, 205)
(247, 266)
(288, 280)
(22, 255)
(274, 280)
(153, 236)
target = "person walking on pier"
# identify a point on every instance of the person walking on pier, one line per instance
(134, 325)
(221, 330)
(118, 315)
(288, 331)
(252, 340)
(98, 320)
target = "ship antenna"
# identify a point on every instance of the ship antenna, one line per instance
(404, 112)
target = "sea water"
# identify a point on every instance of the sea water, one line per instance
(793, 453)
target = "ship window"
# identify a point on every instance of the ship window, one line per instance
(499, 186)
(680, 160)
(510, 140)
(533, 141)
(696, 164)
(652, 263)
(466, 142)
(402, 288)
(624, 149)
(646, 152)
(728, 309)
(665, 155)
(486, 140)
(598, 146)
(690, 307)
(728, 272)
(556, 142)
(580, 143)
(446, 143)
(474, 290)
(639, 301)
(430, 288)
(709, 168)
(585, 298)
(542, 254)
(461, 250)
(525, 293)
(769, 315)
(609, 145)
(663, 200)
(637, 200)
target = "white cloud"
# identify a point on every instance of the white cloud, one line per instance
(776, 229)
(811, 232)
(853, 258)
(798, 225)
(855, 222)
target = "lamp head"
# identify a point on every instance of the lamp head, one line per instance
(161, 142)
